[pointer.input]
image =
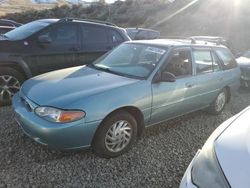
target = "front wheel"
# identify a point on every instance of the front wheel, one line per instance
(10, 83)
(219, 103)
(115, 135)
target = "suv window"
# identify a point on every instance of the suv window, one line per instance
(63, 34)
(203, 61)
(180, 63)
(94, 34)
(227, 58)
(115, 37)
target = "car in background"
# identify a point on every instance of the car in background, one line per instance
(142, 33)
(107, 104)
(8, 25)
(51, 44)
(244, 62)
(224, 160)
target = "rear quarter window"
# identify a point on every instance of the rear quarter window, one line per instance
(227, 58)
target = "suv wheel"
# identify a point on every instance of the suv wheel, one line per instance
(115, 135)
(219, 103)
(10, 83)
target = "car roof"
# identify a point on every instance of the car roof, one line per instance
(177, 43)
(141, 29)
(68, 20)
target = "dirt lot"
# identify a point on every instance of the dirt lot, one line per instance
(159, 158)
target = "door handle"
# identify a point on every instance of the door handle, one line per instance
(189, 85)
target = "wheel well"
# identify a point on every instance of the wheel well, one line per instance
(16, 67)
(136, 113)
(227, 88)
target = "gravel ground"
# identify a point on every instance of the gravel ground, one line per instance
(158, 159)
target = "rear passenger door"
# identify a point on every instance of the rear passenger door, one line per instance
(231, 71)
(94, 43)
(209, 78)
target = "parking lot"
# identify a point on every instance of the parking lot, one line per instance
(159, 158)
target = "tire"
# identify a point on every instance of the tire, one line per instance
(104, 143)
(219, 103)
(10, 83)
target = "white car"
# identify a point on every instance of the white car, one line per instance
(224, 160)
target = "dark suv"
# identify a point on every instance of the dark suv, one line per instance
(50, 44)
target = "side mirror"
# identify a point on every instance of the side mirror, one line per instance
(44, 39)
(165, 77)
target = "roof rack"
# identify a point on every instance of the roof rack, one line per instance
(87, 20)
(217, 41)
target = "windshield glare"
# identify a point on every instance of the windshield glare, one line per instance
(135, 60)
(26, 30)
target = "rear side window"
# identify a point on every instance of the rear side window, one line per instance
(204, 61)
(94, 34)
(115, 37)
(227, 58)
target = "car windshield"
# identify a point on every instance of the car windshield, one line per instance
(131, 60)
(246, 54)
(26, 30)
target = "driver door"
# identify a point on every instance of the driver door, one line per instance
(61, 52)
(170, 98)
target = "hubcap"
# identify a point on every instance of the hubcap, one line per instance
(118, 136)
(9, 85)
(220, 102)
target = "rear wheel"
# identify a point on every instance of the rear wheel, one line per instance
(219, 103)
(10, 83)
(115, 135)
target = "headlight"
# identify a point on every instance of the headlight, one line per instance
(206, 171)
(59, 116)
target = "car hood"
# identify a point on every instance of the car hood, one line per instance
(243, 61)
(63, 87)
(233, 151)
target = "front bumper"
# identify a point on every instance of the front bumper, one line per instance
(186, 181)
(72, 135)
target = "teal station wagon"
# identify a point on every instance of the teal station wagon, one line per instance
(106, 105)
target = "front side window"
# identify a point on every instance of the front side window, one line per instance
(180, 63)
(227, 58)
(94, 34)
(26, 30)
(134, 60)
